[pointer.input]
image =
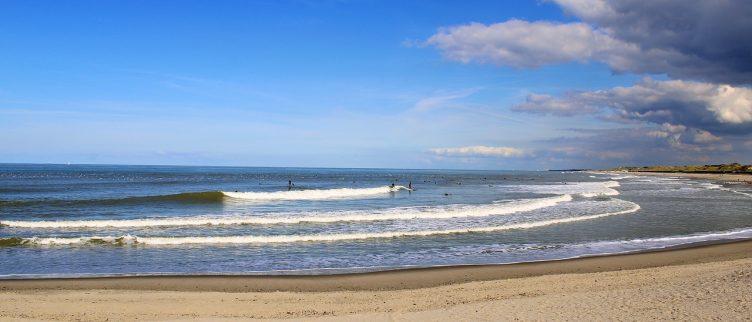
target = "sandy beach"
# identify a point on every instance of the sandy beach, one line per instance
(540, 160)
(702, 282)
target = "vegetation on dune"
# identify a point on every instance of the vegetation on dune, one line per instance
(708, 168)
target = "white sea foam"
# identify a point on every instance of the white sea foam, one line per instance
(310, 238)
(622, 177)
(314, 194)
(437, 212)
(585, 189)
(710, 186)
(681, 239)
(713, 186)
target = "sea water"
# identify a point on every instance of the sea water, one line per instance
(87, 220)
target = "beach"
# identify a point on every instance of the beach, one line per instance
(699, 282)
(563, 160)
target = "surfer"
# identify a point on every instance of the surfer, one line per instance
(410, 185)
(289, 185)
(392, 186)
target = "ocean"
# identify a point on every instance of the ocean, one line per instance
(102, 220)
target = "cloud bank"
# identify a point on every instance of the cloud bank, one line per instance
(708, 40)
(706, 106)
(703, 47)
(700, 40)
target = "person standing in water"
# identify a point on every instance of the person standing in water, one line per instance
(410, 185)
(289, 185)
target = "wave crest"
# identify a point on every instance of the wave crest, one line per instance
(186, 197)
(219, 196)
(314, 194)
(443, 212)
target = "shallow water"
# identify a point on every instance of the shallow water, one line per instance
(59, 220)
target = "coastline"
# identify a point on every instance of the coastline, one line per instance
(723, 177)
(702, 281)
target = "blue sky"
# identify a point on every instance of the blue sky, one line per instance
(306, 83)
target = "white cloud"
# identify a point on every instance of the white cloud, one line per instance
(524, 44)
(520, 43)
(730, 105)
(705, 137)
(480, 151)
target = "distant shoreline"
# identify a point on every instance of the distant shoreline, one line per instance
(722, 177)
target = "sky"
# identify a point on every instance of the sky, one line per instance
(388, 84)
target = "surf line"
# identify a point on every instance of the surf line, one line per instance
(440, 212)
(306, 238)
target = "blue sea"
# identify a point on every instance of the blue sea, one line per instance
(93, 220)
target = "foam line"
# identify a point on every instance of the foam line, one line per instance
(442, 212)
(306, 238)
(584, 189)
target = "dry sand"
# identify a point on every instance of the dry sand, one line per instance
(705, 282)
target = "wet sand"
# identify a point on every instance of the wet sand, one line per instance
(701, 282)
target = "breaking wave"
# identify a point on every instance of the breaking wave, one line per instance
(220, 196)
(314, 194)
(135, 240)
(186, 197)
(440, 212)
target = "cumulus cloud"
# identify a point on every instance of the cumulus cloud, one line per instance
(520, 43)
(703, 40)
(705, 106)
(480, 151)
